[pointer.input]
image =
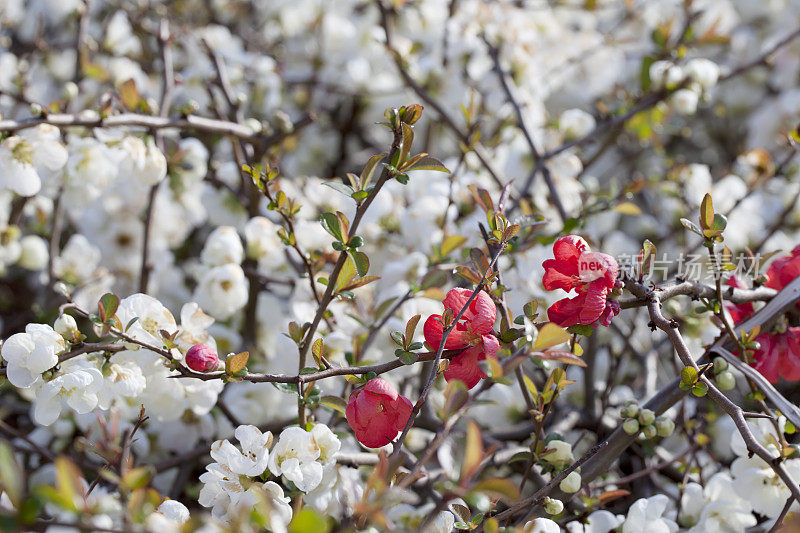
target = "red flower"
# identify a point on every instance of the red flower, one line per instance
(201, 358)
(784, 270)
(591, 274)
(779, 355)
(377, 413)
(473, 331)
(739, 312)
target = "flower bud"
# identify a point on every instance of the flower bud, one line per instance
(70, 90)
(720, 365)
(575, 123)
(201, 358)
(560, 454)
(571, 483)
(703, 71)
(649, 432)
(630, 426)
(726, 380)
(630, 410)
(664, 426)
(33, 254)
(646, 417)
(553, 506)
(684, 101)
(66, 326)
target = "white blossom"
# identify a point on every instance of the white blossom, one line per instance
(31, 353)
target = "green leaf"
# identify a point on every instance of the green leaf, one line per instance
(339, 187)
(330, 222)
(433, 278)
(691, 226)
(407, 358)
(359, 195)
(359, 282)
(12, 477)
(502, 488)
(108, 305)
(689, 375)
(361, 262)
(333, 402)
(427, 163)
(531, 309)
(369, 169)
(308, 521)
(137, 478)
(69, 482)
(700, 389)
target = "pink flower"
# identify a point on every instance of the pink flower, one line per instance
(201, 358)
(591, 274)
(377, 413)
(473, 331)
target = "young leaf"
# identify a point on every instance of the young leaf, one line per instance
(317, 350)
(473, 451)
(550, 335)
(562, 357)
(411, 327)
(706, 212)
(408, 140)
(108, 305)
(369, 169)
(236, 363)
(451, 243)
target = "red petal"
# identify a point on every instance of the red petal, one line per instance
(482, 314)
(559, 275)
(569, 248)
(465, 367)
(595, 302)
(433, 330)
(566, 312)
(381, 387)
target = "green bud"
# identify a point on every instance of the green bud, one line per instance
(649, 432)
(720, 365)
(630, 410)
(664, 426)
(726, 380)
(630, 426)
(646, 417)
